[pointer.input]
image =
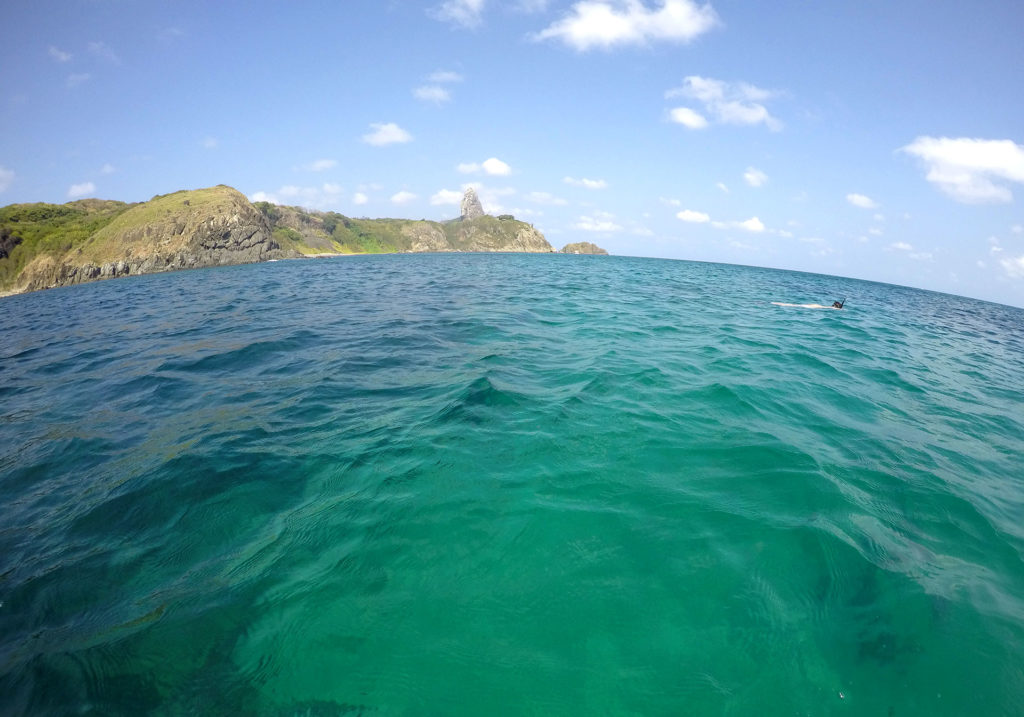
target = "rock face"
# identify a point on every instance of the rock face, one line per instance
(8, 241)
(485, 233)
(471, 206)
(184, 230)
(583, 247)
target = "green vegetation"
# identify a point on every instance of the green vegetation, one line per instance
(369, 236)
(164, 216)
(162, 206)
(288, 238)
(270, 211)
(53, 229)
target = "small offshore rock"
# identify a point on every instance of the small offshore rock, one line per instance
(583, 247)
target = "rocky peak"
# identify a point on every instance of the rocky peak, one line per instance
(471, 206)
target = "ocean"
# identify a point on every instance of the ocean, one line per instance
(509, 485)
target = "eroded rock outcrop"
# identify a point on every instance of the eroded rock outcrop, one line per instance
(471, 206)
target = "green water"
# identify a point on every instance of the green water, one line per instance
(479, 484)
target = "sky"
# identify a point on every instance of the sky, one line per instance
(879, 140)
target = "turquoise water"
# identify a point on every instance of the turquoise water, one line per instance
(509, 485)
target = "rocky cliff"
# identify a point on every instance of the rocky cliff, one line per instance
(184, 230)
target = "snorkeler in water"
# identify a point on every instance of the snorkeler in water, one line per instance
(835, 305)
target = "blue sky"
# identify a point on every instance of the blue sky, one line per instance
(880, 140)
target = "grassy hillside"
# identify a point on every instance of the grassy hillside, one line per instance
(310, 232)
(55, 229)
(162, 220)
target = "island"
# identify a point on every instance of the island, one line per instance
(583, 247)
(49, 245)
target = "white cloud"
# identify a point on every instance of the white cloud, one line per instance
(670, 202)
(108, 168)
(972, 171)
(722, 186)
(1017, 229)
(402, 197)
(444, 76)
(689, 215)
(755, 177)
(588, 183)
(210, 143)
(492, 166)
(606, 24)
(432, 93)
(103, 51)
(324, 196)
(385, 134)
(59, 55)
(752, 225)
(446, 196)
(78, 78)
(170, 34)
(862, 201)
(546, 199)
(465, 13)
(320, 165)
(875, 231)
(688, 118)
(729, 102)
(1014, 267)
(262, 196)
(531, 6)
(901, 246)
(525, 212)
(81, 190)
(359, 198)
(6, 178)
(600, 222)
(496, 167)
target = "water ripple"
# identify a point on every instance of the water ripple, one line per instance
(437, 484)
